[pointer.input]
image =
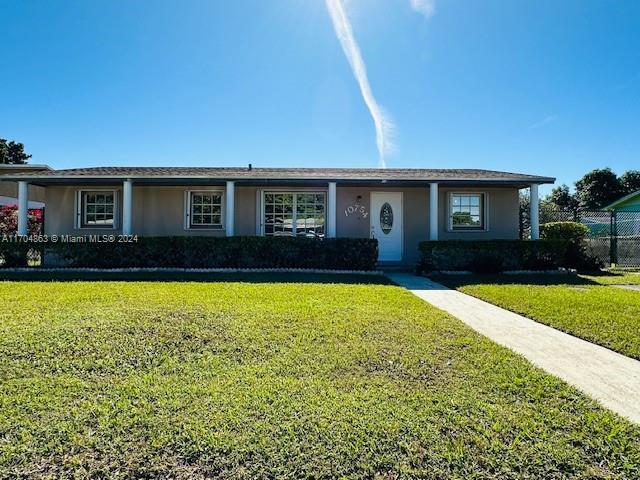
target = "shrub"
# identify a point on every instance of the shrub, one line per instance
(575, 234)
(222, 252)
(492, 256)
(570, 231)
(18, 255)
(9, 220)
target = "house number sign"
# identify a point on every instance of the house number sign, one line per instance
(357, 210)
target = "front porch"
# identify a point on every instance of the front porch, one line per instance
(399, 208)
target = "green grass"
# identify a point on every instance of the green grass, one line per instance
(616, 279)
(190, 276)
(275, 380)
(587, 307)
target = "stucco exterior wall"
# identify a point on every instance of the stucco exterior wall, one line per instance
(245, 218)
(10, 189)
(61, 210)
(501, 215)
(159, 211)
(415, 208)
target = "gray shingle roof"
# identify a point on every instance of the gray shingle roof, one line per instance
(237, 173)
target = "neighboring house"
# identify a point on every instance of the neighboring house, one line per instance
(9, 190)
(399, 207)
(628, 203)
(627, 210)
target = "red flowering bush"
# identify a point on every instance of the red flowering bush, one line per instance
(9, 220)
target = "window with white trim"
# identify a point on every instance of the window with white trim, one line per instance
(466, 211)
(97, 209)
(205, 210)
(294, 214)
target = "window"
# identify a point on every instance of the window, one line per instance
(294, 214)
(205, 210)
(467, 211)
(97, 209)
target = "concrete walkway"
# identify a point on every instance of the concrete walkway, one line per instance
(629, 287)
(610, 378)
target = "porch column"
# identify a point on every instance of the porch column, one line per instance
(127, 207)
(23, 208)
(331, 210)
(433, 211)
(534, 214)
(230, 208)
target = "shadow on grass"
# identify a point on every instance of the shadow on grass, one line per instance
(248, 277)
(501, 279)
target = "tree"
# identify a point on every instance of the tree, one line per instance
(525, 223)
(563, 199)
(12, 153)
(597, 189)
(630, 182)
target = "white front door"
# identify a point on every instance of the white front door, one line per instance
(386, 224)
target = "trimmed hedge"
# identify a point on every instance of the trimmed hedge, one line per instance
(570, 231)
(18, 255)
(492, 256)
(575, 234)
(221, 252)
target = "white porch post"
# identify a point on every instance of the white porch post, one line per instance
(127, 207)
(23, 208)
(230, 208)
(534, 214)
(331, 210)
(433, 211)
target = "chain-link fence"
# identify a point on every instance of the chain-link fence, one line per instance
(614, 237)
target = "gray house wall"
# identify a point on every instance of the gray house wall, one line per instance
(10, 189)
(159, 211)
(502, 215)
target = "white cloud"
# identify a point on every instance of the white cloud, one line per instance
(424, 7)
(545, 121)
(344, 32)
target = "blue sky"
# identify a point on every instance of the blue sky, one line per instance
(540, 86)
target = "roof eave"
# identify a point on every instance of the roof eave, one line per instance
(80, 178)
(622, 200)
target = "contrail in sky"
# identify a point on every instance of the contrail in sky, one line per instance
(344, 32)
(425, 7)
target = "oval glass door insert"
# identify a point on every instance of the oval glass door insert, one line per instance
(386, 218)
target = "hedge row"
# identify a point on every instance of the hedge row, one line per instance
(492, 256)
(220, 252)
(19, 254)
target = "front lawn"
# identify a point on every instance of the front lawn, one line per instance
(279, 380)
(616, 278)
(582, 306)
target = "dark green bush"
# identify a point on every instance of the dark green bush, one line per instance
(487, 263)
(222, 252)
(492, 256)
(570, 231)
(18, 255)
(575, 234)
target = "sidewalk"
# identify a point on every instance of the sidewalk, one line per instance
(607, 376)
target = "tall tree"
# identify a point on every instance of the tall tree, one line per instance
(563, 199)
(525, 222)
(12, 153)
(598, 188)
(630, 181)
